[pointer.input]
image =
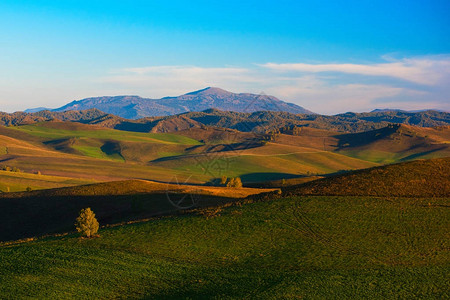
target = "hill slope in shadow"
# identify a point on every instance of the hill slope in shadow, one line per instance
(396, 143)
(28, 214)
(421, 178)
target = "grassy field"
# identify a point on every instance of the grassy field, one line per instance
(19, 181)
(388, 157)
(397, 143)
(106, 144)
(40, 212)
(421, 178)
(94, 149)
(290, 248)
(383, 233)
(91, 162)
(91, 169)
(55, 130)
(91, 153)
(257, 166)
(83, 151)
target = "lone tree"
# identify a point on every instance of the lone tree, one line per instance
(86, 223)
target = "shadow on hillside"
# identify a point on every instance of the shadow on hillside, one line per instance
(421, 154)
(267, 176)
(10, 157)
(202, 151)
(31, 216)
(135, 127)
(364, 138)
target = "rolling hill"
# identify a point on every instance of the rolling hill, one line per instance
(421, 178)
(53, 210)
(90, 153)
(349, 122)
(268, 162)
(396, 143)
(325, 247)
(87, 153)
(380, 232)
(22, 118)
(258, 122)
(20, 181)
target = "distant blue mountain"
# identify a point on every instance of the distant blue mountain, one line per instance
(402, 110)
(33, 110)
(135, 107)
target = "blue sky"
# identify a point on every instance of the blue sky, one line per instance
(328, 56)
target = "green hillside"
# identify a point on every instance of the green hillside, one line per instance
(90, 153)
(267, 162)
(20, 181)
(421, 178)
(300, 247)
(396, 143)
(288, 246)
(66, 129)
(40, 212)
(78, 150)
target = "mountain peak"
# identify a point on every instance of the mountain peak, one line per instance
(210, 91)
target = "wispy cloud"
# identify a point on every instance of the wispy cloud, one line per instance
(160, 81)
(331, 99)
(428, 71)
(408, 83)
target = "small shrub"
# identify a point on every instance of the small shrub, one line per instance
(223, 180)
(29, 189)
(86, 223)
(234, 182)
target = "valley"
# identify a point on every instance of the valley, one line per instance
(319, 204)
(326, 245)
(88, 153)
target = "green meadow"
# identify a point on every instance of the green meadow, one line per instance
(289, 248)
(44, 131)
(253, 167)
(20, 181)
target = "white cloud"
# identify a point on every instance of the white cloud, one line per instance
(425, 84)
(329, 99)
(428, 71)
(160, 81)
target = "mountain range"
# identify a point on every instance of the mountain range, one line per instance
(135, 107)
(262, 122)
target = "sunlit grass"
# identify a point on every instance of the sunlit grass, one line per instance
(47, 132)
(19, 181)
(96, 152)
